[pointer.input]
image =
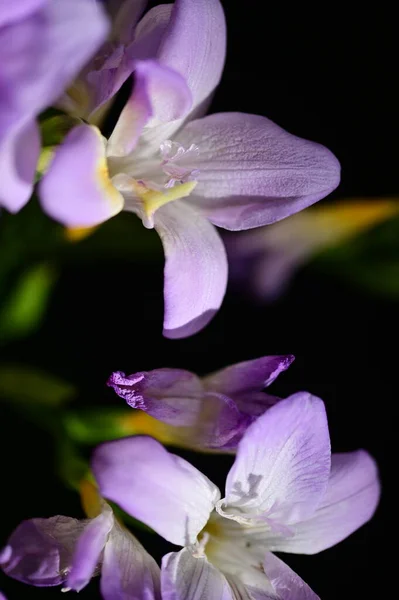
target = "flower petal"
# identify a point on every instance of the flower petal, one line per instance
(128, 572)
(40, 56)
(19, 153)
(283, 463)
(39, 551)
(76, 189)
(195, 269)
(288, 585)
(195, 45)
(12, 11)
(156, 487)
(253, 173)
(350, 501)
(160, 94)
(89, 548)
(173, 396)
(186, 577)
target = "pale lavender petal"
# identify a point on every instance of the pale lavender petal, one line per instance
(128, 572)
(40, 56)
(159, 93)
(76, 189)
(350, 501)
(287, 584)
(19, 153)
(88, 549)
(253, 173)
(39, 551)
(173, 396)
(186, 577)
(2, 596)
(282, 466)
(12, 11)
(160, 489)
(195, 45)
(195, 269)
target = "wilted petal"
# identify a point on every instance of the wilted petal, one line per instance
(39, 551)
(76, 189)
(128, 572)
(287, 584)
(253, 173)
(173, 396)
(350, 501)
(19, 153)
(186, 577)
(283, 463)
(195, 269)
(89, 548)
(156, 487)
(159, 93)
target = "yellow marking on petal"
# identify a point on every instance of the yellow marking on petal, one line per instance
(75, 234)
(90, 498)
(113, 196)
(140, 423)
(152, 199)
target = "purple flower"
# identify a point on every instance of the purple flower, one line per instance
(43, 45)
(285, 492)
(207, 412)
(62, 550)
(182, 174)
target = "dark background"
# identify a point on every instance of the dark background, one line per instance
(321, 75)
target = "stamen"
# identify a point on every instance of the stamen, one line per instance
(199, 551)
(178, 162)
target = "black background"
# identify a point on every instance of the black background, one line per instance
(324, 75)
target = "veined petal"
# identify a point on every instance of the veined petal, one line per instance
(195, 269)
(350, 501)
(19, 153)
(89, 548)
(128, 572)
(287, 584)
(76, 189)
(156, 487)
(186, 577)
(283, 463)
(253, 173)
(160, 94)
(39, 551)
(173, 396)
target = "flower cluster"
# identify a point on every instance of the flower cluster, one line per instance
(183, 174)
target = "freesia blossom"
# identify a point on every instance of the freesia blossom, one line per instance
(43, 45)
(64, 551)
(265, 260)
(180, 174)
(285, 493)
(207, 412)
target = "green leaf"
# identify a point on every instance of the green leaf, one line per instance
(27, 385)
(26, 304)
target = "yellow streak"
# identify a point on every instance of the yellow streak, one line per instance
(75, 234)
(90, 498)
(140, 423)
(152, 200)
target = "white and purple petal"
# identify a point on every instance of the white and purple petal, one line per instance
(160, 489)
(282, 467)
(253, 173)
(195, 269)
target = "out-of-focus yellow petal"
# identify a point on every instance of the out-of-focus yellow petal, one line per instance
(90, 498)
(75, 234)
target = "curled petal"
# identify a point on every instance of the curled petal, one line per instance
(253, 173)
(160, 94)
(89, 548)
(283, 463)
(76, 189)
(156, 487)
(128, 572)
(195, 269)
(185, 577)
(39, 551)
